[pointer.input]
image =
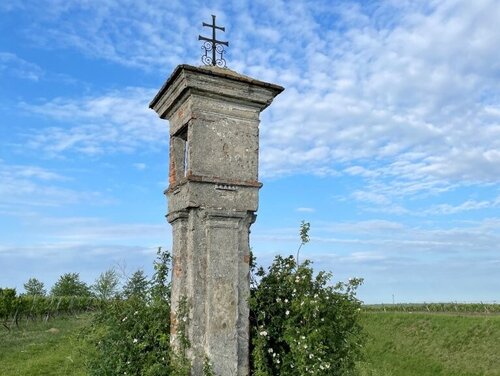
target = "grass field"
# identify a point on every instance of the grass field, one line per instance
(398, 344)
(42, 349)
(432, 344)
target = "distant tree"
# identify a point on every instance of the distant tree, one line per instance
(7, 304)
(69, 284)
(34, 287)
(137, 285)
(106, 285)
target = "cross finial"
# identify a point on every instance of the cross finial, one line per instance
(213, 45)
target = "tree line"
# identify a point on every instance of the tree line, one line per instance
(68, 296)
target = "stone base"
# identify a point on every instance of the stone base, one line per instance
(211, 257)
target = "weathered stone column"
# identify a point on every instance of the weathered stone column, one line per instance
(212, 200)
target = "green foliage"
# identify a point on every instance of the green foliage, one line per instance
(34, 287)
(304, 236)
(208, 368)
(69, 284)
(18, 309)
(8, 303)
(106, 285)
(132, 336)
(300, 323)
(136, 285)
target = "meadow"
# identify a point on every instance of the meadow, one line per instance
(433, 344)
(398, 344)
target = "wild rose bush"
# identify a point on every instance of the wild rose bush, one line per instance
(300, 323)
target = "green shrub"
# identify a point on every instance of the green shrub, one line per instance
(302, 325)
(132, 336)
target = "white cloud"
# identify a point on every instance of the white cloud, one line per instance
(32, 186)
(409, 88)
(305, 210)
(145, 35)
(391, 240)
(468, 205)
(84, 230)
(11, 64)
(118, 121)
(408, 96)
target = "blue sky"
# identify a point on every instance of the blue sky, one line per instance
(386, 139)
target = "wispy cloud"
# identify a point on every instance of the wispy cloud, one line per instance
(390, 239)
(84, 230)
(146, 35)
(305, 210)
(113, 122)
(25, 186)
(11, 64)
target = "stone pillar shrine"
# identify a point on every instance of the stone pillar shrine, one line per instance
(212, 199)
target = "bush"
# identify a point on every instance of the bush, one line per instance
(132, 336)
(300, 324)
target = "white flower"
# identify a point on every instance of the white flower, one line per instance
(286, 300)
(136, 313)
(124, 319)
(135, 340)
(270, 350)
(263, 333)
(287, 312)
(311, 356)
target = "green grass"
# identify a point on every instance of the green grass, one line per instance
(42, 349)
(398, 344)
(423, 344)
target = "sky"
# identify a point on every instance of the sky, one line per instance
(386, 138)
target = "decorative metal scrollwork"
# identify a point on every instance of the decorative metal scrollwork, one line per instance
(207, 58)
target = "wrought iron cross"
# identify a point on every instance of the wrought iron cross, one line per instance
(213, 45)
